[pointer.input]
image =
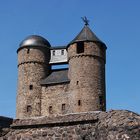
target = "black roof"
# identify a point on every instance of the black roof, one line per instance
(86, 35)
(58, 47)
(56, 77)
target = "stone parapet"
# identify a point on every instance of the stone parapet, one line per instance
(61, 120)
(112, 125)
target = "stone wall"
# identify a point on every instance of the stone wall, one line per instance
(5, 123)
(33, 65)
(57, 97)
(87, 75)
(112, 125)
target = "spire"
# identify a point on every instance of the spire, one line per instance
(86, 34)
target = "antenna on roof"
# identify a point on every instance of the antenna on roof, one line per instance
(85, 20)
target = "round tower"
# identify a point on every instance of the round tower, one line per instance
(87, 58)
(33, 65)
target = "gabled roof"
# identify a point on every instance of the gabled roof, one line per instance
(56, 77)
(86, 35)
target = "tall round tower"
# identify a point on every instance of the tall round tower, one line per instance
(87, 58)
(33, 65)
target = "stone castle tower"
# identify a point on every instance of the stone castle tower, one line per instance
(33, 65)
(57, 103)
(43, 91)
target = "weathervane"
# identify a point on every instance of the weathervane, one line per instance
(85, 20)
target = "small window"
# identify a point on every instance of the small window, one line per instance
(28, 51)
(50, 109)
(79, 102)
(80, 47)
(101, 100)
(53, 52)
(63, 107)
(29, 108)
(77, 82)
(31, 87)
(62, 52)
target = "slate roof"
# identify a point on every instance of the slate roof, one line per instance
(58, 47)
(86, 35)
(56, 77)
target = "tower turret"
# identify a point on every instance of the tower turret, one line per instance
(87, 58)
(33, 65)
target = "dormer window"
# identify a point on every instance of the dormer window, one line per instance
(80, 47)
(62, 52)
(53, 52)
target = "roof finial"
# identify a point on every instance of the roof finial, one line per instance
(85, 20)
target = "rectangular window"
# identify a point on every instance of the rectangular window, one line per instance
(77, 82)
(31, 87)
(63, 107)
(62, 52)
(79, 102)
(50, 109)
(29, 108)
(53, 52)
(80, 47)
(28, 51)
(101, 100)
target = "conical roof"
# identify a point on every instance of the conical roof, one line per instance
(86, 35)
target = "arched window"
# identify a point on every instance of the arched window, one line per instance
(50, 110)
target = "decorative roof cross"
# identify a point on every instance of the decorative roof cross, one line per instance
(85, 20)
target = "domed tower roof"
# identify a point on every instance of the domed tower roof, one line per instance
(34, 40)
(86, 35)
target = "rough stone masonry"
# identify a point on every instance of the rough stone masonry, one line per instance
(65, 104)
(112, 125)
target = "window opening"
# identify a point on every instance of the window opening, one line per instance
(80, 47)
(63, 107)
(50, 109)
(29, 108)
(28, 51)
(62, 52)
(53, 52)
(77, 82)
(31, 87)
(79, 102)
(101, 100)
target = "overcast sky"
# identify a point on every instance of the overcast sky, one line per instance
(115, 22)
